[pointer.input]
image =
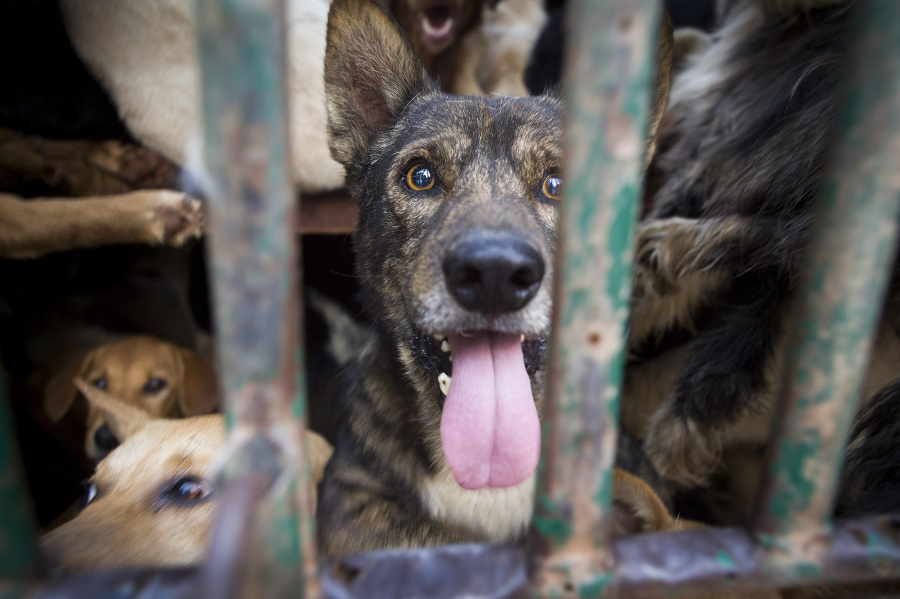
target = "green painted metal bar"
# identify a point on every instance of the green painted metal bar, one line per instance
(255, 276)
(17, 550)
(839, 300)
(608, 74)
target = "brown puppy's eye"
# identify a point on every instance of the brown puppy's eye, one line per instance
(420, 177)
(154, 385)
(100, 383)
(552, 186)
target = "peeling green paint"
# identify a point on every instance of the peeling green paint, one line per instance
(595, 587)
(851, 248)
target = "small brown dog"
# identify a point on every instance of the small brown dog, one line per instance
(160, 379)
(151, 501)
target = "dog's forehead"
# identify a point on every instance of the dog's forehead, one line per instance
(496, 124)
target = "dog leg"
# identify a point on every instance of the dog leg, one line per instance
(33, 228)
(682, 266)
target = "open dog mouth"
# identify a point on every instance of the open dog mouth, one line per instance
(489, 424)
(437, 24)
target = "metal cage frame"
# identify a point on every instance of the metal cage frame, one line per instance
(265, 502)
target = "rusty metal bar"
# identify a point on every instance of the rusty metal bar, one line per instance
(252, 214)
(608, 75)
(848, 266)
(443, 572)
(730, 559)
(17, 550)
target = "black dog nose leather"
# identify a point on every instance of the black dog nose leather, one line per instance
(105, 440)
(492, 271)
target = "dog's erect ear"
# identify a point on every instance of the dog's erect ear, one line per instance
(200, 391)
(662, 76)
(371, 73)
(123, 420)
(60, 391)
(636, 508)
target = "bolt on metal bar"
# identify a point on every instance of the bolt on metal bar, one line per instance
(607, 80)
(17, 551)
(849, 263)
(255, 268)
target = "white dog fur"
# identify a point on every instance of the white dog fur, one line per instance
(145, 55)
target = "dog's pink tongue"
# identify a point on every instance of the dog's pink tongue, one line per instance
(489, 426)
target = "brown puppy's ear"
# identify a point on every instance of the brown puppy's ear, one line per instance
(200, 391)
(636, 508)
(371, 73)
(123, 420)
(60, 391)
(662, 76)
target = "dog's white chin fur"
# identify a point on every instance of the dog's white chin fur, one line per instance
(145, 55)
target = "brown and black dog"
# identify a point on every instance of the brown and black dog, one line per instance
(728, 202)
(457, 196)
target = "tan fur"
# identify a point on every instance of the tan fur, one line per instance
(493, 56)
(131, 521)
(190, 384)
(36, 227)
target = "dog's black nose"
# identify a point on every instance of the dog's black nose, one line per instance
(105, 440)
(493, 271)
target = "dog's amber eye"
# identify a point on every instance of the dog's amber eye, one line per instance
(155, 385)
(420, 177)
(552, 186)
(88, 493)
(100, 383)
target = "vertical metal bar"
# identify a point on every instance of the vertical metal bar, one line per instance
(16, 526)
(840, 294)
(252, 209)
(607, 79)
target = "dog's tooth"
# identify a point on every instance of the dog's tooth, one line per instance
(444, 382)
(439, 337)
(522, 337)
(445, 346)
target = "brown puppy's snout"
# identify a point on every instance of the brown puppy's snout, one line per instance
(105, 439)
(493, 271)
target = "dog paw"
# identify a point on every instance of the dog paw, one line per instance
(176, 217)
(661, 248)
(683, 451)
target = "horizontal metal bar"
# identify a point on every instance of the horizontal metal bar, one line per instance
(443, 572)
(841, 290)
(171, 583)
(729, 559)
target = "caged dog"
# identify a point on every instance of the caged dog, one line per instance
(728, 202)
(439, 432)
(152, 500)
